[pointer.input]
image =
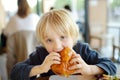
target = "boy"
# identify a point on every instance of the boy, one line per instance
(55, 31)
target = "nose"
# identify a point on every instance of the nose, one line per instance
(57, 46)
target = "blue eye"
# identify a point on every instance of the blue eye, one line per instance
(63, 37)
(48, 40)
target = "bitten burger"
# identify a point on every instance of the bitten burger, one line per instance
(62, 69)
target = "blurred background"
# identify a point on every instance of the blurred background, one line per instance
(98, 22)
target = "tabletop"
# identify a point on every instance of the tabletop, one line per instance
(80, 77)
(73, 77)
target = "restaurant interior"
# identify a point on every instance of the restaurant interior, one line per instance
(98, 22)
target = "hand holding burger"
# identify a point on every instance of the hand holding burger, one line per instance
(62, 68)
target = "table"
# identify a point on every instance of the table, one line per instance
(79, 77)
(73, 77)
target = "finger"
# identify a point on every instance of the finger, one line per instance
(76, 66)
(77, 71)
(51, 58)
(76, 56)
(56, 62)
(75, 60)
(55, 54)
(73, 52)
(70, 53)
(52, 61)
(56, 58)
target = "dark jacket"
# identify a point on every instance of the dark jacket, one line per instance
(21, 70)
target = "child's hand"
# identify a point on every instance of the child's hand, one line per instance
(52, 58)
(79, 65)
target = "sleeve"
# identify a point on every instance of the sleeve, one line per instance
(21, 70)
(93, 58)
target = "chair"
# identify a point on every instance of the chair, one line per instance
(97, 24)
(96, 34)
(99, 38)
(98, 42)
(19, 46)
(115, 46)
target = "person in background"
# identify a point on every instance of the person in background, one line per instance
(3, 71)
(78, 22)
(55, 31)
(52, 8)
(67, 7)
(73, 12)
(25, 20)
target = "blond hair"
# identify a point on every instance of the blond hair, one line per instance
(60, 21)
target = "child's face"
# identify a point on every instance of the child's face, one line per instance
(55, 42)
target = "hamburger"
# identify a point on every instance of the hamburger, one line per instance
(62, 68)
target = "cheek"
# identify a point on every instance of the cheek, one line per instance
(68, 43)
(48, 47)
